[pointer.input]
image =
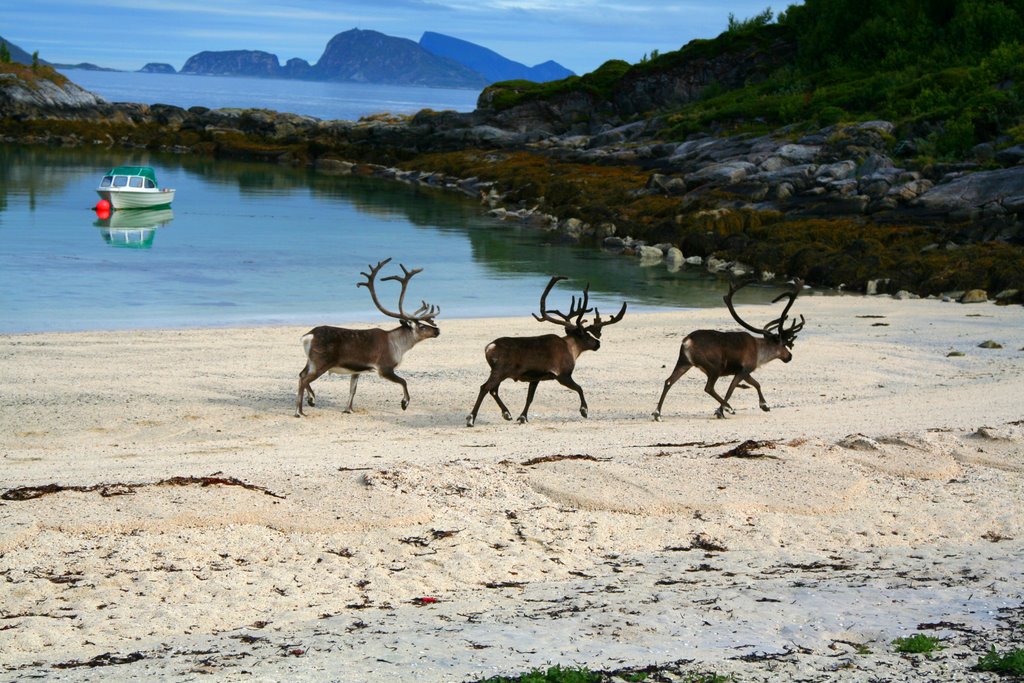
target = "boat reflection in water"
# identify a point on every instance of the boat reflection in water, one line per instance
(133, 228)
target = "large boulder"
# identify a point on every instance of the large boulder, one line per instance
(972, 191)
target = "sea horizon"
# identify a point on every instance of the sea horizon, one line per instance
(325, 100)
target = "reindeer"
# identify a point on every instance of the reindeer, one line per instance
(344, 351)
(720, 354)
(536, 359)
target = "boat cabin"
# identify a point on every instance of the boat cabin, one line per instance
(135, 177)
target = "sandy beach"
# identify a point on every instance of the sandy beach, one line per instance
(164, 515)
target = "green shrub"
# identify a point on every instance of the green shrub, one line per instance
(918, 643)
(1008, 664)
(554, 674)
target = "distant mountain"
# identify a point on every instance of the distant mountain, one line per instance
(488, 62)
(84, 66)
(372, 57)
(157, 68)
(233, 63)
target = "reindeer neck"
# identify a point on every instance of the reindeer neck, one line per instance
(574, 345)
(767, 350)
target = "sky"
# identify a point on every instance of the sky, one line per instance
(578, 34)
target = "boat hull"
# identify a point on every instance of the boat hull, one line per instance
(137, 198)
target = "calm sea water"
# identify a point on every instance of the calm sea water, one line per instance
(257, 244)
(328, 101)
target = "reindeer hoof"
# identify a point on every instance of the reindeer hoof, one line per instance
(656, 416)
(765, 408)
(507, 415)
(470, 420)
(405, 403)
(309, 401)
(348, 411)
(720, 414)
(583, 411)
(522, 420)
(298, 413)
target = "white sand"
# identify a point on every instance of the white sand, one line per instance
(893, 498)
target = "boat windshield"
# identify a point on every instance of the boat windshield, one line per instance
(106, 181)
(135, 182)
(120, 180)
(150, 184)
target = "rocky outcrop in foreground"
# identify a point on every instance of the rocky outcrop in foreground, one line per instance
(45, 98)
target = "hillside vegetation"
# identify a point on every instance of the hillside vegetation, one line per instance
(950, 73)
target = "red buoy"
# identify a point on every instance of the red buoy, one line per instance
(102, 206)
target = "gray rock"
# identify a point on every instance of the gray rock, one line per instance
(884, 127)
(674, 256)
(694, 260)
(872, 286)
(799, 154)
(903, 295)
(649, 254)
(841, 170)
(974, 296)
(729, 172)
(972, 191)
(1011, 155)
(990, 344)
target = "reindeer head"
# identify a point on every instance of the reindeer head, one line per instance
(775, 332)
(587, 336)
(421, 321)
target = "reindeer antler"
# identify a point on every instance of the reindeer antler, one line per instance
(733, 288)
(787, 334)
(775, 327)
(425, 313)
(563, 319)
(595, 329)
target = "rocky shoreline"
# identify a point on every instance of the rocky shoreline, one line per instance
(712, 191)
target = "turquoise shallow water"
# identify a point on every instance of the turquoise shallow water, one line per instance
(255, 244)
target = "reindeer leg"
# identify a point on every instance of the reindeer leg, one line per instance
(471, 418)
(723, 405)
(737, 378)
(497, 399)
(305, 379)
(567, 381)
(529, 399)
(389, 374)
(352, 382)
(760, 396)
(682, 366)
(488, 387)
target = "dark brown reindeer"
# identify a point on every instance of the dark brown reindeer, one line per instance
(536, 359)
(344, 351)
(720, 354)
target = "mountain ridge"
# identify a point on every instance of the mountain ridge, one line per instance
(495, 67)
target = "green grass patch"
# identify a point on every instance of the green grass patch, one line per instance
(917, 644)
(554, 674)
(1008, 664)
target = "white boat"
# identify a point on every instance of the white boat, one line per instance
(133, 187)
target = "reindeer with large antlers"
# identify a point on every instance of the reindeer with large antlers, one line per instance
(344, 351)
(535, 359)
(720, 354)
